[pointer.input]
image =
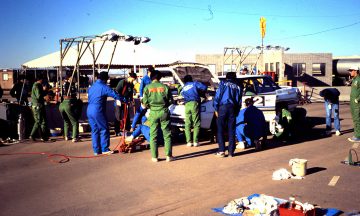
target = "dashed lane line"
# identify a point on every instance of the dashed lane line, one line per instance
(334, 180)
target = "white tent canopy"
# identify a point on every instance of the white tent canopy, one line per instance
(126, 54)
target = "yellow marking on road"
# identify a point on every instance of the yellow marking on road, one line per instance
(334, 180)
(356, 145)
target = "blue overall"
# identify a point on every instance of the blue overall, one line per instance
(227, 102)
(96, 113)
(143, 128)
(145, 81)
(250, 125)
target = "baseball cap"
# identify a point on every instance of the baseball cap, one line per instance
(353, 67)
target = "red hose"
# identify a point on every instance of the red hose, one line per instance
(66, 158)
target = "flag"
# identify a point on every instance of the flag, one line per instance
(262, 26)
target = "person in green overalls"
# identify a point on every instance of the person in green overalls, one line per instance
(191, 93)
(39, 112)
(157, 97)
(355, 102)
(69, 110)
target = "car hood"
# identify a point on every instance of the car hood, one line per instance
(199, 72)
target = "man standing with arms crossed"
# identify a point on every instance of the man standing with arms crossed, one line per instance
(157, 97)
(355, 102)
(227, 103)
(190, 92)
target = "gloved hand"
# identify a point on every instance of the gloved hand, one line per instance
(118, 103)
(356, 101)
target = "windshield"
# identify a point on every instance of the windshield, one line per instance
(256, 85)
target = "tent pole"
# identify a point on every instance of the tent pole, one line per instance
(60, 68)
(112, 56)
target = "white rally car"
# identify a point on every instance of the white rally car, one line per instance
(267, 95)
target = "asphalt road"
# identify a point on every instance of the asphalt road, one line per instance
(130, 184)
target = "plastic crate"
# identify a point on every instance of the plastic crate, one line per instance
(284, 210)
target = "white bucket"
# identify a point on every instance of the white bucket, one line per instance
(299, 167)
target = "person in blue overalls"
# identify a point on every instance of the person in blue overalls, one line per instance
(144, 127)
(96, 113)
(250, 126)
(227, 103)
(191, 93)
(145, 80)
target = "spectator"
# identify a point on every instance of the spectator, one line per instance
(331, 97)
(355, 102)
(38, 108)
(69, 109)
(20, 90)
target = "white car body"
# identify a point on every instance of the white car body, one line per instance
(268, 95)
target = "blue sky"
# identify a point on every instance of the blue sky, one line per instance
(32, 28)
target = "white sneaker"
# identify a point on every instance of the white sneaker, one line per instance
(169, 158)
(189, 144)
(240, 145)
(108, 152)
(337, 133)
(196, 144)
(154, 160)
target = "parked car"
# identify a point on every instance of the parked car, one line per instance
(267, 95)
(174, 77)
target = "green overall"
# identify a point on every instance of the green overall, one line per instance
(157, 97)
(68, 112)
(39, 112)
(192, 119)
(355, 107)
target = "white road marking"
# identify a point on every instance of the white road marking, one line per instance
(334, 180)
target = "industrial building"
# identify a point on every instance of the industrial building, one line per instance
(311, 69)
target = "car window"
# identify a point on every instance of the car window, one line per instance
(265, 84)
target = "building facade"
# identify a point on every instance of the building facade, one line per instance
(312, 69)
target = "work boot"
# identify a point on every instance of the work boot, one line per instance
(258, 145)
(240, 145)
(220, 154)
(47, 139)
(74, 140)
(169, 158)
(108, 152)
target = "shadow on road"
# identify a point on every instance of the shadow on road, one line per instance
(196, 154)
(313, 170)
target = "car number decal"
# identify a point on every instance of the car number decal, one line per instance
(259, 101)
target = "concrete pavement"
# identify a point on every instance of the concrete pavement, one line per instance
(130, 184)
